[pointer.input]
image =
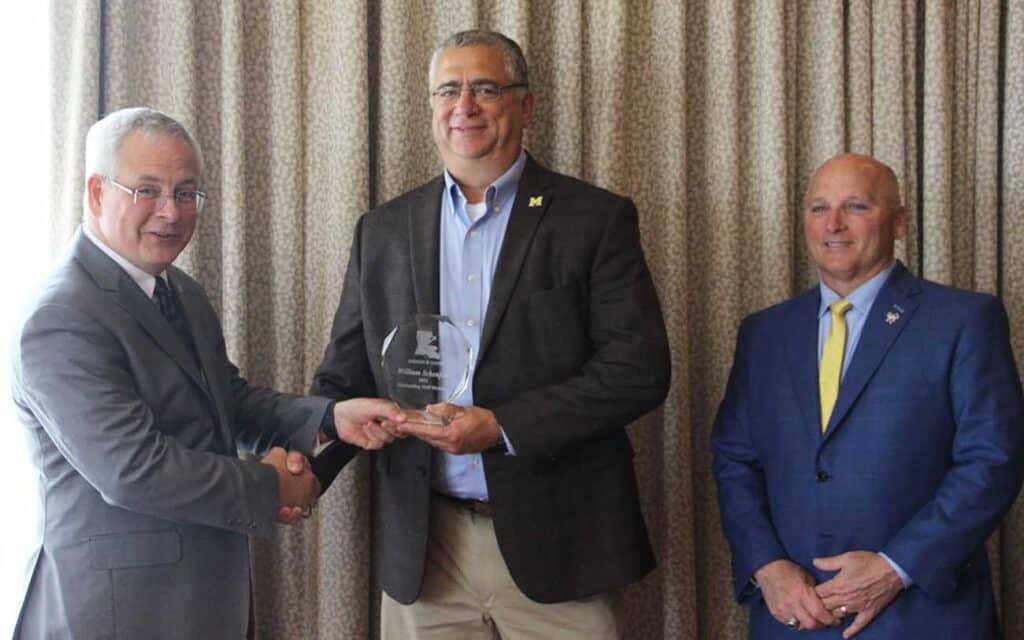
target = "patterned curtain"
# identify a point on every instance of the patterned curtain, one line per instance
(710, 115)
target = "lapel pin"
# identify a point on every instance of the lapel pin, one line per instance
(536, 201)
(891, 317)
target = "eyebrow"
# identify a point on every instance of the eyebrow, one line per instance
(846, 198)
(475, 81)
(151, 178)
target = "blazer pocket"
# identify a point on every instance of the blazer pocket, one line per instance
(140, 549)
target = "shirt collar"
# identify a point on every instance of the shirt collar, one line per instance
(862, 297)
(146, 281)
(498, 191)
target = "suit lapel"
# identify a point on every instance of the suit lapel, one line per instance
(425, 246)
(126, 294)
(531, 203)
(891, 312)
(203, 335)
(800, 345)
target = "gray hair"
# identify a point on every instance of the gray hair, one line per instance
(515, 61)
(105, 137)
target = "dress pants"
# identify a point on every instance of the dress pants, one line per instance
(468, 593)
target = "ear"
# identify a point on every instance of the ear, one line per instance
(527, 106)
(94, 189)
(900, 223)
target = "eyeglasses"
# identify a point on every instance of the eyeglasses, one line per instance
(479, 91)
(156, 198)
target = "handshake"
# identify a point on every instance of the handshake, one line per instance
(368, 423)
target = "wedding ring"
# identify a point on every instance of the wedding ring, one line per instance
(793, 624)
(843, 610)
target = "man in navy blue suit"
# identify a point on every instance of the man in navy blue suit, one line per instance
(870, 438)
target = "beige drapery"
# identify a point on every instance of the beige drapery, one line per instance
(711, 115)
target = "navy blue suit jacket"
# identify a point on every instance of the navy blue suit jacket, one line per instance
(921, 458)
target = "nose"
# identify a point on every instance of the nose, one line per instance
(834, 220)
(167, 207)
(466, 103)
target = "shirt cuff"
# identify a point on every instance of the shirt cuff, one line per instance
(509, 449)
(904, 578)
(328, 428)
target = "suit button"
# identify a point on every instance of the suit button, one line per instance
(821, 476)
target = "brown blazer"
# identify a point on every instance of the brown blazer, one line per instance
(573, 349)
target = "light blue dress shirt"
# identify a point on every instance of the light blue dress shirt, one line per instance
(862, 299)
(469, 256)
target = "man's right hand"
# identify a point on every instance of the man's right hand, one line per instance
(368, 423)
(789, 593)
(297, 487)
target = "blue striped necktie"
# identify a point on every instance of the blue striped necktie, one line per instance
(171, 311)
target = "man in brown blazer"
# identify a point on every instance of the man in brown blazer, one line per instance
(521, 515)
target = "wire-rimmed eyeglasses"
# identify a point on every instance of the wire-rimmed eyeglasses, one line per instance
(156, 198)
(482, 91)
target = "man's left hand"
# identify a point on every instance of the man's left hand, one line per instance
(469, 429)
(865, 584)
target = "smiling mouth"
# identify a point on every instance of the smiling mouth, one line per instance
(164, 235)
(837, 244)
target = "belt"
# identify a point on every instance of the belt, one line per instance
(478, 507)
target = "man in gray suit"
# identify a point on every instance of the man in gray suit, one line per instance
(134, 412)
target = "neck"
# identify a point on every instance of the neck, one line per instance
(474, 181)
(474, 176)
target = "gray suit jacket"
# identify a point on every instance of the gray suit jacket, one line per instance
(146, 505)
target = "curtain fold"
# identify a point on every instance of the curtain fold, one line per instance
(1011, 271)
(711, 116)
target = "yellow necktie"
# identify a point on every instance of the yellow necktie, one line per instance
(832, 361)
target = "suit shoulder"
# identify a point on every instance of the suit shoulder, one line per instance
(67, 296)
(67, 284)
(948, 305)
(778, 312)
(955, 297)
(401, 204)
(582, 189)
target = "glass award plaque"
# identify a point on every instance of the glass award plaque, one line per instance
(425, 360)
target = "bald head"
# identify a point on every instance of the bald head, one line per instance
(876, 175)
(853, 216)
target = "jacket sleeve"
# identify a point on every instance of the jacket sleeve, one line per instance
(985, 472)
(742, 493)
(345, 370)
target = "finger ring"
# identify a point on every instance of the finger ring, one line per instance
(793, 624)
(308, 511)
(843, 610)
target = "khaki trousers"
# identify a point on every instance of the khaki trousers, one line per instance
(468, 593)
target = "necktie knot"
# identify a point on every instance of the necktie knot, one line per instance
(840, 307)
